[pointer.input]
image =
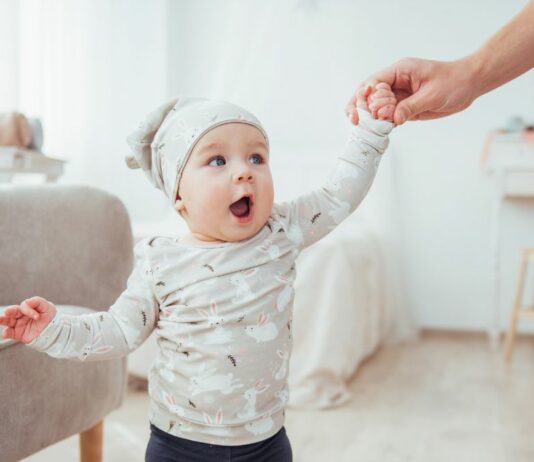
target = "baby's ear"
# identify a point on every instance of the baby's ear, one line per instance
(179, 204)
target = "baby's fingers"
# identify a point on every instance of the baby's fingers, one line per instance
(361, 100)
(31, 306)
(382, 101)
(375, 106)
(7, 321)
(386, 112)
(8, 332)
(383, 86)
(381, 94)
(12, 311)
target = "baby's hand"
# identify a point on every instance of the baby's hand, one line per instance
(379, 101)
(26, 321)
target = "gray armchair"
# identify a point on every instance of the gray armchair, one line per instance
(73, 246)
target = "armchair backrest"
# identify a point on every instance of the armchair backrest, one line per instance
(67, 243)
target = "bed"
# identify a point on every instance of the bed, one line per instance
(341, 314)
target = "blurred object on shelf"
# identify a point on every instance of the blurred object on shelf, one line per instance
(15, 130)
(510, 146)
(37, 133)
(21, 142)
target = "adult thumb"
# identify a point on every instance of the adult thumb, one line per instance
(409, 107)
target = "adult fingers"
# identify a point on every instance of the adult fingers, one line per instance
(362, 95)
(359, 99)
(354, 118)
(350, 108)
(409, 108)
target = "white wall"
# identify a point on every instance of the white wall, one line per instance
(8, 54)
(295, 64)
(92, 70)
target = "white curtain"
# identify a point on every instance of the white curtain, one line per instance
(294, 64)
(91, 69)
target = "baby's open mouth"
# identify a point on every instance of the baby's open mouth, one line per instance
(241, 208)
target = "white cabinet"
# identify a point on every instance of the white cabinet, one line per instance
(509, 158)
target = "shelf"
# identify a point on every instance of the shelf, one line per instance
(15, 160)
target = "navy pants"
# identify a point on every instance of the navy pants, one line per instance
(164, 447)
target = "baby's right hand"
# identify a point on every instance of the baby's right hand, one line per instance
(380, 101)
(26, 321)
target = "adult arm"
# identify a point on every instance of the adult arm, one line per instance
(429, 89)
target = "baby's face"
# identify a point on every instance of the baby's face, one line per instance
(229, 162)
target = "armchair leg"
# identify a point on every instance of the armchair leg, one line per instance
(91, 443)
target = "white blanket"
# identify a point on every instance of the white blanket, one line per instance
(341, 314)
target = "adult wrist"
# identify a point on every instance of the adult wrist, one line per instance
(474, 69)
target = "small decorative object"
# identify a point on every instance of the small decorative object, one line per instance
(37, 134)
(21, 141)
(14, 130)
(17, 130)
(515, 124)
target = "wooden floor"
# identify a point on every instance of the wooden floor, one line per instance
(446, 397)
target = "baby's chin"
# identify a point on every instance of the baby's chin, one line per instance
(226, 235)
(243, 234)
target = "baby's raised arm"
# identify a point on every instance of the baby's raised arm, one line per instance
(312, 216)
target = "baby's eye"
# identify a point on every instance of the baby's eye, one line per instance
(258, 157)
(221, 158)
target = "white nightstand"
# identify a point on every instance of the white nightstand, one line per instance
(509, 157)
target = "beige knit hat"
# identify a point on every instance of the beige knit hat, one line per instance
(163, 142)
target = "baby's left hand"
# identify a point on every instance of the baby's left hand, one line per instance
(379, 101)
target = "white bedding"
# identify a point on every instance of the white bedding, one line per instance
(341, 314)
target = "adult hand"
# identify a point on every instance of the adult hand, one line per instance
(424, 89)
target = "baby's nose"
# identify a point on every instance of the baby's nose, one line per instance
(244, 174)
(240, 178)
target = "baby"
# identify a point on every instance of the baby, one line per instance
(219, 299)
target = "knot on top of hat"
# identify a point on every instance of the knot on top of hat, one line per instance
(140, 142)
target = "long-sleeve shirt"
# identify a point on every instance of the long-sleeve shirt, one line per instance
(222, 312)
